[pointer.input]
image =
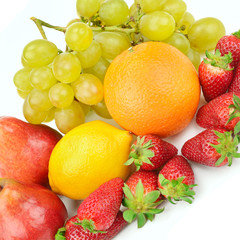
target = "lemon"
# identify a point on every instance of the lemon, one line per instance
(88, 156)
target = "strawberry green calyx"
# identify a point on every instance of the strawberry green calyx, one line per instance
(141, 207)
(88, 225)
(140, 153)
(60, 235)
(216, 60)
(235, 112)
(236, 34)
(176, 190)
(227, 147)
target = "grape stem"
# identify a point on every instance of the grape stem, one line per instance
(114, 29)
(41, 23)
(39, 26)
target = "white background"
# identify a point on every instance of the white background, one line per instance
(215, 211)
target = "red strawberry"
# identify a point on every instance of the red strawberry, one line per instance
(216, 113)
(211, 147)
(215, 74)
(98, 211)
(230, 44)
(77, 232)
(235, 85)
(150, 152)
(148, 179)
(141, 197)
(71, 221)
(176, 179)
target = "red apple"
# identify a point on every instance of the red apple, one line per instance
(29, 211)
(25, 150)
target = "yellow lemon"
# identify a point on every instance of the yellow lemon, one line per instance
(88, 156)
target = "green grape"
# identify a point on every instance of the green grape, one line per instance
(22, 94)
(88, 89)
(78, 36)
(91, 55)
(185, 23)
(50, 115)
(39, 100)
(179, 41)
(61, 95)
(39, 53)
(42, 78)
(99, 69)
(70, 117)
(87, 8)
(205, 33)
(66, 67)
(148, 6)
(86, 108)
(176, 8)
(157, 25)
(194, 57)
(112, 44)
(133, 11)
(21, 80)
(31, 115)
(73, 21)
(134, 15)
(114, 12)
(101, 110)
(24, 63)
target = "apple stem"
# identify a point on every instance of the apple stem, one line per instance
(2, 183)
(5, 181)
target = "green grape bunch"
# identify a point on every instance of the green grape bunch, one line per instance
(66, 86)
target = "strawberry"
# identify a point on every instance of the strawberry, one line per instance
(215, 74)
(176, 180)
(212, 147)
(98, 211)
(150, 152)
(148, 179)
(71, 221)
(235, 85)
(230, 44)
(76, 232)
(217, 113)
(141, 197)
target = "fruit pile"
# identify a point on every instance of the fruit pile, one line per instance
(65, 85)
(151, 90)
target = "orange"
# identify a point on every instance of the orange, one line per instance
(152, 88)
